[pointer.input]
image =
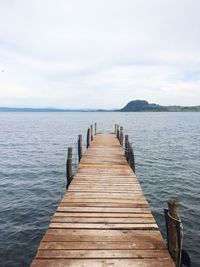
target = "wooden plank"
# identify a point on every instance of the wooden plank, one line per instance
(133, 226)
(103, 262)
(102, 220)
(139, 200)
(102, 254)
(103, 209)
(104, 204)
(103, 215)
(153, 237)
(100, 245)
(104, 195)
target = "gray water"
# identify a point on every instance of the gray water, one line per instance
(32, 171)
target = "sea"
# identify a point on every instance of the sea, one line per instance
(33, 150)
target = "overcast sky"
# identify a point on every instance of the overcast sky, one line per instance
(99, 53)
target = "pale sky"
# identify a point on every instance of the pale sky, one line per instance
(99, 53)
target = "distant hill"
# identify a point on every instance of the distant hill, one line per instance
(142, 105)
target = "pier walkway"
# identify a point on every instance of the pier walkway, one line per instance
(104, 218)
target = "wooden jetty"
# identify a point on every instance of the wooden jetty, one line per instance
(103, 219)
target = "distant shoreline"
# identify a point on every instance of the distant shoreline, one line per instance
(86, 111)
(132, 106)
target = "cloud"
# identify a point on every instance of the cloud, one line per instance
(99, 53)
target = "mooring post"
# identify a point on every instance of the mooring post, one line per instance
(91, 130)
(126, 146)
(173, 241)
(121, 136)
(80, 147)
(88, 137)
(95, 128)
(69, 166)
(131, 157)
(118, 132)
(115, 129)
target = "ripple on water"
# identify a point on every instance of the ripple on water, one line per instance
(32, 175)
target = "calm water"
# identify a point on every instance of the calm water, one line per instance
(32, 171)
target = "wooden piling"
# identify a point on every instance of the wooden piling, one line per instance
(173, 242)
(91, 132)
(80, 147)
(88, 137)
(121, 136)
(69, 166)
(95, 128)
(115, 129)
(118, 132)
(126, 146)
(131, 157)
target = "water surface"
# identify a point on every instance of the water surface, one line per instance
(33, 150)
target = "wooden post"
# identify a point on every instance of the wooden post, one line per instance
(69, 166)
(129, 153)
(115, 129)
(80, 147)
(95, 128)
(126, 146)
(173, 244)
(118, 132)
(131, 157)
(121, 136)
(91, 130)
(88, 137)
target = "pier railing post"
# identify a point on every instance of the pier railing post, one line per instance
(88, 137)
(91, 130)
(126, 146)
(115, 129)
(118, 132)
(95, 128)
(173, 235)
(69, 166)
(121, 138)
(131, 157)
(80, 147)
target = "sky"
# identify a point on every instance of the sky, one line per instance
(99, 53)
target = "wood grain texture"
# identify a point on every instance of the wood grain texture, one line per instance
(104, 218)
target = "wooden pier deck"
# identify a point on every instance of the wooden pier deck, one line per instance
(104, 218)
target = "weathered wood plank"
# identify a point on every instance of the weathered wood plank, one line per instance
(101, 254)
(103, 262)
(133, 226)
(104, 204)
(77, 235)
(103, 209)
(99, 219)
(102, 215)
(100, 245)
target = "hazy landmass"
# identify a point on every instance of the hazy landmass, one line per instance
(142, 105)
(8, 109)
(132, 106)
